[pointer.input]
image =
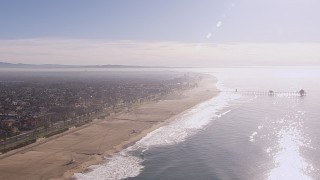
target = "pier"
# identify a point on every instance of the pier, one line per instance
(270, 93)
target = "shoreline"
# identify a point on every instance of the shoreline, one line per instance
(77, 149)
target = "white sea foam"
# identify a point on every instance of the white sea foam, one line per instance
(120, 166)
(124, 164)
(254, 134)
(185, 125)
(251, 139)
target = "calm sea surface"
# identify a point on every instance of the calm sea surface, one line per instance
(233, 136)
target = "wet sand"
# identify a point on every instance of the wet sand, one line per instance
(60, 156)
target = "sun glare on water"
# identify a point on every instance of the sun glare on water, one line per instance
(289, 163)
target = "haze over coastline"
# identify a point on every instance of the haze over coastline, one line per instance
(57, 66)
(174, 54)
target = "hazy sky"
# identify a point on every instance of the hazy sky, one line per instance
(164, 32)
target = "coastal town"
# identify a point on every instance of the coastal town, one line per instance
(30, 105)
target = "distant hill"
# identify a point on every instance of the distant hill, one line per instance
(37, 66)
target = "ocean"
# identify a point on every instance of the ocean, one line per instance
(234, 135)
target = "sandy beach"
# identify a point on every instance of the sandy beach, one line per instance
(61, 156)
